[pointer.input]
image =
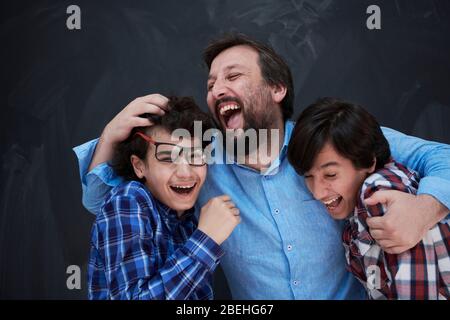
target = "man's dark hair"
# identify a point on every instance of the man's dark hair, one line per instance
(183, 111)
(353, 132)
(274, 69)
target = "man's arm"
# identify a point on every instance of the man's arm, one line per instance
(97, 177)
(96, 183)
(409, 217)
(121, 125)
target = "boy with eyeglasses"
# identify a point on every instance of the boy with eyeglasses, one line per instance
(146, 242)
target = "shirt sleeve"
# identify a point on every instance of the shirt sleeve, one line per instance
(430, 159)
(377, 270)
(364, 240)
(126, 241)
(96, 183)
(413, 274)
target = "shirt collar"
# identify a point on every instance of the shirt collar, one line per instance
(274, 167)
(169, 215)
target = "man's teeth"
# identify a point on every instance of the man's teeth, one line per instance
(229, 107)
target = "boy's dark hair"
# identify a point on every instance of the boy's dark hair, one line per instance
(354, 133)
(183, 111)
(274, 69)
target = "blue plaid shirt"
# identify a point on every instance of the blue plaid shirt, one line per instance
(140, 249)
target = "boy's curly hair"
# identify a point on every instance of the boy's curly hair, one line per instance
(183, 111)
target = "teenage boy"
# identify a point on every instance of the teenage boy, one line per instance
(344, 157)
(145, 239)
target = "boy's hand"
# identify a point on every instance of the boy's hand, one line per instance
(218, 218)
(119, 128)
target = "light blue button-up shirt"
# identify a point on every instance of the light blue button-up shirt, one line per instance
(286, 246)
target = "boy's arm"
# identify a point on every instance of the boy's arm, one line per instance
(97, 177)
(409, 217)
(131, 260)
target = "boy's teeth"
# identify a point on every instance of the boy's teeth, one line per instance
(184, 187)
(331, 201)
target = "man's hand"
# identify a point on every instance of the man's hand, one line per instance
(119, 128)
(407, 220)
(218, 218)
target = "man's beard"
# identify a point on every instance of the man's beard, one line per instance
(258, 112)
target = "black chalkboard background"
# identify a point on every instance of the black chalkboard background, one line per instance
(59, 88)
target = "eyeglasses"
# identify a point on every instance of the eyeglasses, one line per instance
(169, 152)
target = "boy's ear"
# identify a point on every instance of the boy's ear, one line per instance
(278, 92)
(138, 166)
(372, 168)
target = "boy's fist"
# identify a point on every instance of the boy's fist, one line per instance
(218, 217)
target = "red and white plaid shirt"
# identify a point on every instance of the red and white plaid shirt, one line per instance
(422, 272)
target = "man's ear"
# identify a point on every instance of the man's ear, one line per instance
(278, 92)
(138, 166)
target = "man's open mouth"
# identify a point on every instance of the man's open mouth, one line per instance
(183, 189)
(230, 114)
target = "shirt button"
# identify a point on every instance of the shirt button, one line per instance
(289, 247)
(295, 282)
(277, 211)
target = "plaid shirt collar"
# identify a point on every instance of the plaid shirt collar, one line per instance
(170, 216)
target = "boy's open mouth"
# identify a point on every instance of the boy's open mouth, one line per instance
(333, 203)
(183, 189)
(230, 114)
